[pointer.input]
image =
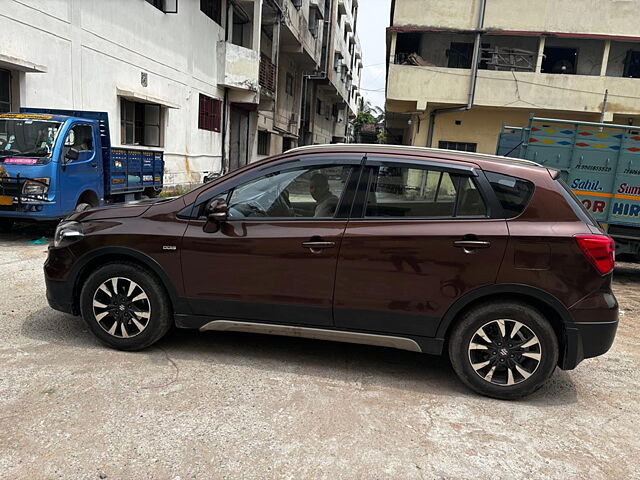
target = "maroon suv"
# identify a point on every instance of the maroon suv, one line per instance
(491, 260)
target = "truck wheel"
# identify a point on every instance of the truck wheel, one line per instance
(81, 207)
(125, 306)
(504, 349)
(6, 224)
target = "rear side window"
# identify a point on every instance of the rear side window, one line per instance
(420, 192)
(512, 192)
(576, 205)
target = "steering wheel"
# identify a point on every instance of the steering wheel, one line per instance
(281, 206)
(256, 210)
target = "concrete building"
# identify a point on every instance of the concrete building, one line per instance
(577, 59)
(201, 80)
(314, 90)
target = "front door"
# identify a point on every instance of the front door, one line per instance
(83, 173)
(424, 239)
(274, 260)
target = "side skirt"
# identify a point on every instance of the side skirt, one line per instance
(430, 345)
(315, 333)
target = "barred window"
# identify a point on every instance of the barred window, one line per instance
(209, 113)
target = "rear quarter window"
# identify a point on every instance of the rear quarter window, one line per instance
(576, 205)
(513, 193)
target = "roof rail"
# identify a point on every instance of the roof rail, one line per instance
(411, 148)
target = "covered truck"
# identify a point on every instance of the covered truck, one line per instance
(54, 162)
(599, 161)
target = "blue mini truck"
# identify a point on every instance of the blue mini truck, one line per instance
(599, 161)
(55, 162)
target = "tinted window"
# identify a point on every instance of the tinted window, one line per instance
(576, 205)
(303, 193)
(513, 193)
(419, 192)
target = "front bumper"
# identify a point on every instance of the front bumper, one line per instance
(59, 280)
(60, 296)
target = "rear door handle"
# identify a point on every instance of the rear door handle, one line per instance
(317, 246)
(470, 246)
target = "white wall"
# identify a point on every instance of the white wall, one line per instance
(91, 48)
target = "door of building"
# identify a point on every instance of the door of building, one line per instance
(238, 138)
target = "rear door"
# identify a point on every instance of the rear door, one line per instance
(420, 236)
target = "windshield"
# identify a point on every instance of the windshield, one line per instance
(27, 138)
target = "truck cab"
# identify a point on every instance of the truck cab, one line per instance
(53, 163)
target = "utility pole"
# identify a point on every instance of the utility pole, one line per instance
(604, 105)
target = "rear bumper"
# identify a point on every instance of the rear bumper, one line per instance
(593, 330)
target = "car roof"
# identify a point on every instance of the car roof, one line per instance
(482, 160)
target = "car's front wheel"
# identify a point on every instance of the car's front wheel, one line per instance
(125, 306)
(503, 350)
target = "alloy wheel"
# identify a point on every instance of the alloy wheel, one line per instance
(121, 307)
(505, 352)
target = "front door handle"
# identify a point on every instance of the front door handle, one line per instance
(316, 246)
(470, 246)
(94, 164)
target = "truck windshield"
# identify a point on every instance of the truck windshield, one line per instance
(27, 138)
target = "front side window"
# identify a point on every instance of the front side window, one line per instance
(312, 192)
(80, 138)
(419, 192)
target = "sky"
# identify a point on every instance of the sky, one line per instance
(373, 19)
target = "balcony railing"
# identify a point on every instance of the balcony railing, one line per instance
(267, 76)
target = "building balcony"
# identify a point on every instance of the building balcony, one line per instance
(601, 18)
(239, 67)
(300, 38)
(413, 87)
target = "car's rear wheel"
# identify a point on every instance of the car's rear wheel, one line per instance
(503, 350)
(125, 306)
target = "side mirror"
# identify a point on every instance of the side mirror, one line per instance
(72, 155)
(218, 211)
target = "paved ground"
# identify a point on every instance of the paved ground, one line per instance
(226, 405)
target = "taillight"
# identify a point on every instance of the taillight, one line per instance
(599, 249)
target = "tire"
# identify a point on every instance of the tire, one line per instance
(99, 295)
(510, 371)
(81, 207)
(6, 224)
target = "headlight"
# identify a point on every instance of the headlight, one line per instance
(37, 186)
(67, 233)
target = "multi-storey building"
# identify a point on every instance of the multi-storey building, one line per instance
(317, 79)
(212, 83)
(458, 70)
